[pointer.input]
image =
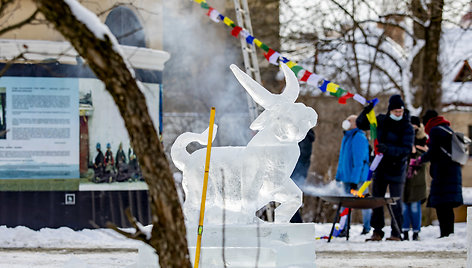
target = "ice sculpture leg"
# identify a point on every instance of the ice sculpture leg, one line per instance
(288, 204)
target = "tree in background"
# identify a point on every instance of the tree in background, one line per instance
(374, 48)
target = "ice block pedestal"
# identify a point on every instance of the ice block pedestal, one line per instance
(267, 244)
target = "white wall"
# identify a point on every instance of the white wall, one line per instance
(106, 124)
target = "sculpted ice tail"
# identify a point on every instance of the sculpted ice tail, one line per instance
(254, 175)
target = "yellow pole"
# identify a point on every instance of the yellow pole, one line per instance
(205, 184)
(360, 192)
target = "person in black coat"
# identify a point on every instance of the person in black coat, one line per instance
(300, 172)
(395, 138)
(99, 163)
(446, 186)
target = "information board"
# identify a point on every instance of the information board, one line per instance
(39, 128)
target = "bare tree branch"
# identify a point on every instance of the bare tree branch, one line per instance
(139, 233)
(20, 24)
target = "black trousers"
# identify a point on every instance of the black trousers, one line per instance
(445, 215)
(378, 190)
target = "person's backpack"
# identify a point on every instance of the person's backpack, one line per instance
(459, 146)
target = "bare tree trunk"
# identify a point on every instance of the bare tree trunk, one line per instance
(168, 236)
(426, 74)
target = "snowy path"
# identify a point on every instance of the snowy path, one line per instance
(20, 258)
(393, 259)
(21, 247)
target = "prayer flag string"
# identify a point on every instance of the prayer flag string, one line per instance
(275, 57)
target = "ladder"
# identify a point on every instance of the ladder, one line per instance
(249, 54)
(252, 69)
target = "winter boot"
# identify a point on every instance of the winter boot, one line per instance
(405, 236)
(376, 236)
(415, 236)
(394, 238)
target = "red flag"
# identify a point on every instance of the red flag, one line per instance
(344, 98)
(236, 30)
(272, 56)
(209, 11)
(269, 53)
(344, 213)
(305, 76)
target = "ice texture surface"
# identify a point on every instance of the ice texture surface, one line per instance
(244, 179)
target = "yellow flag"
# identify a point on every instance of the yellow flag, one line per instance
(228, 21)
(372, 118)
(290, 64)
(257, 42)
(332, 87)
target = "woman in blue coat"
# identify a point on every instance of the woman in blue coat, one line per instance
(353, 163)
(446, 186)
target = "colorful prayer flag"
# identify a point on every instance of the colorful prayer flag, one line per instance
(272, 56)
(228, 21)
(344, 98)
(374, 101)
(376, 161)
(290, 64)
(213, 14)
(236, 30)
(264, 47)
(324, 85)
(305, 76)
(338, 93)
(360, 99)
(313, 80)
(284, 60)
(332, 87)
(296, 69)
(257, 42)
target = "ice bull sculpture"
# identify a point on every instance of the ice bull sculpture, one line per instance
(244, 179)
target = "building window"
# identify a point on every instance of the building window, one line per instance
(126, 27)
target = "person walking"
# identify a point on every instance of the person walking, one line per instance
(446, 185)
(414, 193)
(395, 141)
(353, 163)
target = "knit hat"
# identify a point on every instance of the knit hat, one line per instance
(428, 115)
(415, 120)
(98, 145)
(395, 102)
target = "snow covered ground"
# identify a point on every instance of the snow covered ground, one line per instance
(63, 247)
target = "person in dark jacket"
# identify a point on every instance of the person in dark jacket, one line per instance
(120, 156)
(395, 141)
(109, 161)
(353, 163)
(446, 185)
(414, 193)
(300, 171)
(99, 163)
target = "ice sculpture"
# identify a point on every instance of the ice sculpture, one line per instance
(244, 179)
